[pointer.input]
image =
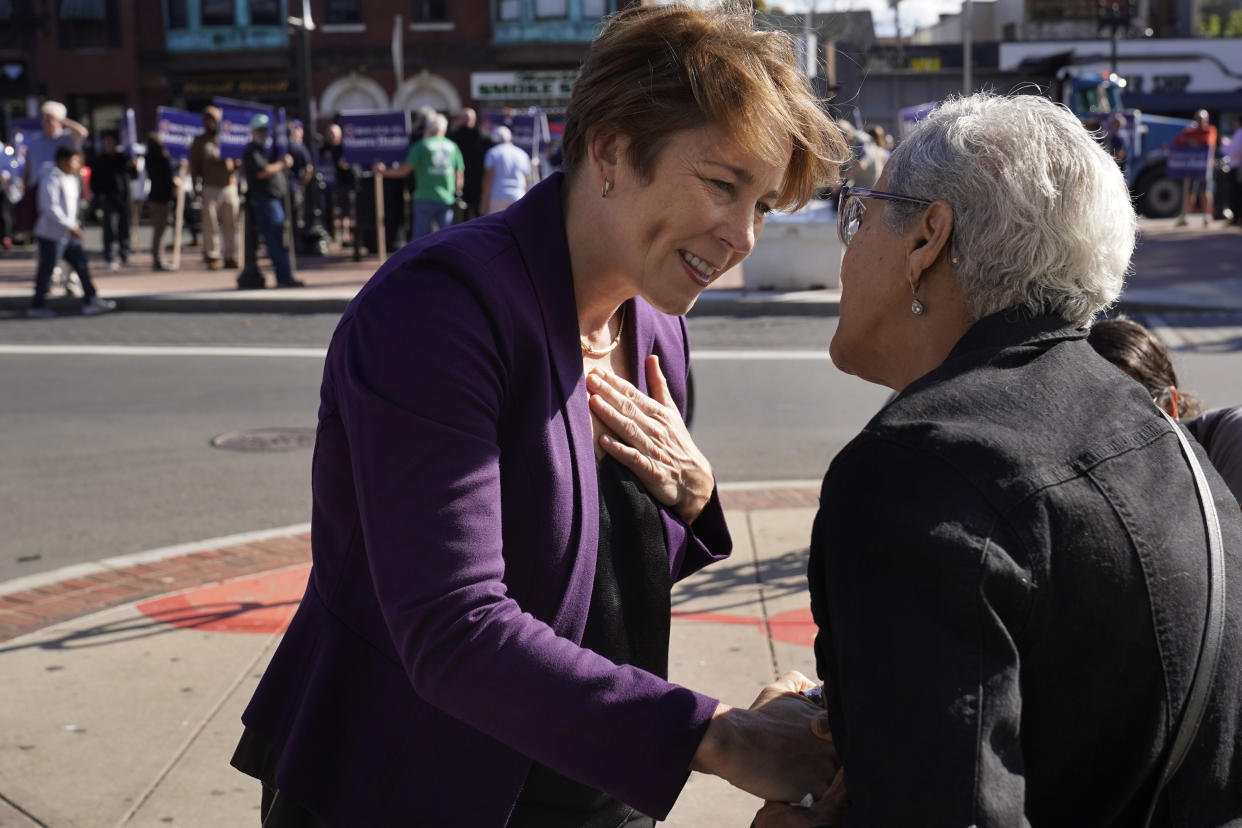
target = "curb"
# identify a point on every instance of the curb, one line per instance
(31, 603)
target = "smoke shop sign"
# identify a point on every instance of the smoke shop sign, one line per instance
(521, 86)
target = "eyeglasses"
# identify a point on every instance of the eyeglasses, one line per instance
(850, 208)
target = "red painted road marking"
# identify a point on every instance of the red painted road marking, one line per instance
(262, 604)
(792, 627)
(265, 604)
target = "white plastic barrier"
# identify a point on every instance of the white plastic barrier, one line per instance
(800, 251)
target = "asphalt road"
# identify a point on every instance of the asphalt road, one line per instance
(106, 450)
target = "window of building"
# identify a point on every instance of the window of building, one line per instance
(508, 10)
(89, 24)
(594, 8)
(342, 12)
(178, 14)
(545, 9)
(430, 11)
(265, 13)
(219, 12)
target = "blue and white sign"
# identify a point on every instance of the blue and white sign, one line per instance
(1188, 162)
(375, 137)
(235, 124)
(177, 129)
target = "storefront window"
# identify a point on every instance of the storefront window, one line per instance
(429, 11)
(342, 12)
(265, 12)
(551, 8)
(594, 8)
(219, 13)
(178, 15)
(509, 10)
(89, 24)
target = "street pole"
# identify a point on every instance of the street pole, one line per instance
(967, 80)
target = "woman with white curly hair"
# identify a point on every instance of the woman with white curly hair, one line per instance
(1011, 570)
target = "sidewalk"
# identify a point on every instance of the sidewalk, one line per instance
(1169, 273)
(124, 680)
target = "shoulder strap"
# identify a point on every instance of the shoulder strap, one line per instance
(1213, 630)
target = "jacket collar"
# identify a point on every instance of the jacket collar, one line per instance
(1014, 326)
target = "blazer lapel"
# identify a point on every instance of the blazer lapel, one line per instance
(538, 225)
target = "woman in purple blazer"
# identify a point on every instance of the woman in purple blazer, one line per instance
(484, 638)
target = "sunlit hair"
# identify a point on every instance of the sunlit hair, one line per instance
(657, 70)
(1136, 350)
(1041, 214)
(54, 108)
(437, 125)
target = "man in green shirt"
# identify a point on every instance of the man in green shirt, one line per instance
(439, 172)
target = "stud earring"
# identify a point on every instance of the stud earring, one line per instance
(607, 187)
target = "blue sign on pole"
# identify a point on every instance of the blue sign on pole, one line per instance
(1188, 162)
(177, 129)
(375, 137)
(235, 124)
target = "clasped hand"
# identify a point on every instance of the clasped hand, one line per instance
(647, 435)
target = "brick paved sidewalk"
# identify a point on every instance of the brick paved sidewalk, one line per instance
(31, 609)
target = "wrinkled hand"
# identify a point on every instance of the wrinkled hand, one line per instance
(771, 750)
(649, 437)
(828, 810)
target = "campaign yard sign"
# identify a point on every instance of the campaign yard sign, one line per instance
(1188, 161)
(375, 137)
(235, 124)
(177, 129)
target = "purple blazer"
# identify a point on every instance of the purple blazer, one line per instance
(454, 533)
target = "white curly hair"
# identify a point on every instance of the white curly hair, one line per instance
(1042, 216)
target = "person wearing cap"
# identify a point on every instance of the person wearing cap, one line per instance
(265, 192)
(300, 173)
(213, 175)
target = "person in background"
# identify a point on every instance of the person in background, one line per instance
(439, 169)
(59, 235)
(1197, 191)
(1009, 568)
(1235, 173)
(57, 133)
(879, 143)
(300, 174)
(1142, 356)
(861, 172)
(161, 197)
(218, 188)
(111, 175)
(504, 487)
(506, 176)
(343, 181)
(265, 190)
(6, 204)
(474, 146)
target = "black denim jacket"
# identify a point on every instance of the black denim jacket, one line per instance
(1008, 570)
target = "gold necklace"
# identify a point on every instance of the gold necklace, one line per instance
(587, 350)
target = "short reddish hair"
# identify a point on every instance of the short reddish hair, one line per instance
(657, 70)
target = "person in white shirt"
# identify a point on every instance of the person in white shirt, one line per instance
(1235, 166)
(60, 237)
(506, 173)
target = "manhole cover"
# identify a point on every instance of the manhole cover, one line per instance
(266, 439)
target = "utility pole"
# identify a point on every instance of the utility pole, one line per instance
(967, 80)
(895, 5)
